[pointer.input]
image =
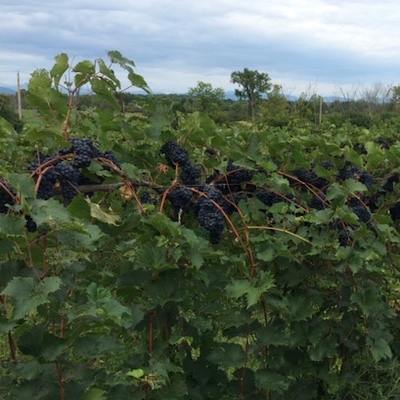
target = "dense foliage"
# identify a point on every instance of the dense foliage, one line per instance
(144, 257)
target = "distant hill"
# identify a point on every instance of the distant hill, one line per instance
(6, 90)
(230, 95)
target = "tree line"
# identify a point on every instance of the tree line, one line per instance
(257, 100)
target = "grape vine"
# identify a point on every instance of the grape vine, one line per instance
(211, 198)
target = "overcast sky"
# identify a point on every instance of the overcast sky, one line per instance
(318, 45)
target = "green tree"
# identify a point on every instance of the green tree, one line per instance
(7, 111)
(395, 97)
(275, 111)
(253, 85)
(206, 98)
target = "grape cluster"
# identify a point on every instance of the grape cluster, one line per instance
(318, 201)
(236, 176)
(269, 198)
(209, 215)
(147, 198)
(65, 167)
(84, 151)
(180, 199)
(352, 172)
(390, 183)
(342, 232)
(220, 195)
(309, 177)
(190, 174)
(68, 176)
(174, 153)
(360, 209)
(31, 225)
(42, 168)
(229, 203)
(395, 211)
(109, 155)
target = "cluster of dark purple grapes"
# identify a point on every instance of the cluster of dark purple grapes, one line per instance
(65, 167)
(83, 150)
(180, 198)
(235, 180)
(270, 197)
(148, 198)
(352, 172)
(236, 177)
(389, 188)
(317, 186)
(174, 153)
(208, 213)
(209, 202)
(221, 194)
(190, 175)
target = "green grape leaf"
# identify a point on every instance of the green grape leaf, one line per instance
(103, 89)
(135, 373)
(85, 67)
(59, 68)
(270, 380)
(108, 217)
(94, 394)
(6, 129)
(12, 225)
(228, 355)
(252, 291)
(27, 294)
(109, 73)
(380, 350)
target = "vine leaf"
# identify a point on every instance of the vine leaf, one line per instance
(11, 225)
(380, 349)
(94, 394)
(109, 73)
(97, 212)
(27, 294)
(49, 102)
(228, 355)
(29, 370)
(136, 80)
(104, 88)
(59, 68)
(6, 129)
(252, 291)
(39, 343)
(135, 373)
(354, 186)
(270, 380)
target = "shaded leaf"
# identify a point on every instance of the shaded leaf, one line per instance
(252, 291)
(94, 394)
(270, 380)
(27, 294)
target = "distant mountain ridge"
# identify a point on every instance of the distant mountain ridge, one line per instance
(7, 90)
